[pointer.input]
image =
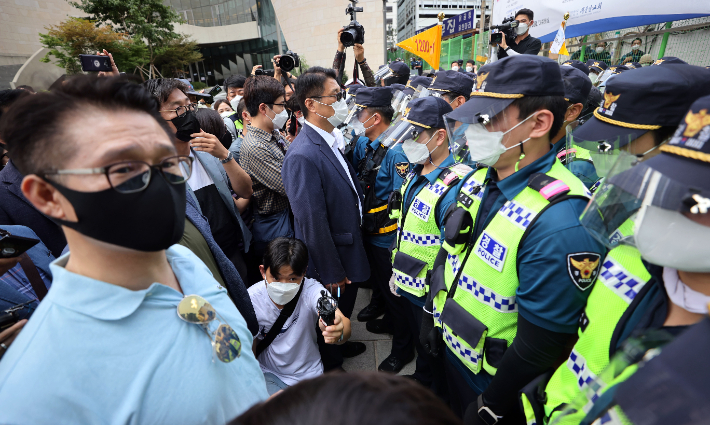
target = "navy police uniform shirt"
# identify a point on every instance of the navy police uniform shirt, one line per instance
(393, 170)
(548, 295)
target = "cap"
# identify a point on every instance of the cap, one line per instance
(400, 69)
(669, 60)
(597, 66)
(470, 75)
(416, 82)
(499, 83)
(373, 97)
(396, 86)
(633, 65)
(577, 64)
(577, 84)
(646, 59)
(618, 69)
(427, 112)
(353, 89)
(646, 99)
(451, 81)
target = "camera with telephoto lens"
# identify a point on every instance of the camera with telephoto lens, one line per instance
(289, 61)
(326, 306)
(508, 27)
(353, 33)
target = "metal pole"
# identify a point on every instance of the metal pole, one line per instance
(278, 37)
(664, 41)
(481, 29)
(384, 30)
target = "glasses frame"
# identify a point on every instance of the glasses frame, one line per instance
(205, 326)
(338, 97)
(104, 171)
(188, 108)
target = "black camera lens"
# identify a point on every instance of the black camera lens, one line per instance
(287, 63)
(259, 72)
(348, 37)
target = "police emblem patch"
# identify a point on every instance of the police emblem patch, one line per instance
(491, 251)
(402, 169)
(480, 78)
(420, 209)
(696, 122)
(583, 268)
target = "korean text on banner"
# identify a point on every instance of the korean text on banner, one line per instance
(426, 45)
(558, 45)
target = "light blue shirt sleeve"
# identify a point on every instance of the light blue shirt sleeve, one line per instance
(550, 294)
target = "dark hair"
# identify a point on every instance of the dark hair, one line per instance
(593, 101)
(451, 95)
(386, 112)
(261, 89)
(352, 399)
(26, 88)
(35, 128)
(527, 12)
(311, 84)
(221, 101)
(285, 81)
(454, 62)
(637, 38)
(556, 104)
(162, 88)
(471, 61)
(240, 108)
(211, 122)
(8, 97)
(292, 104)
(236, 81)
(286, 252)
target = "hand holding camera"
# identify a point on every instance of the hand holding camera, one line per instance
(359, 52)
(353, 33)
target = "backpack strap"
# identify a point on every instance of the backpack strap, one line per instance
(286, 312)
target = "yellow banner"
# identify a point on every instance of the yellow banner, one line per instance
(426, 45)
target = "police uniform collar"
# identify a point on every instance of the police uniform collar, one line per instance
(512, 185)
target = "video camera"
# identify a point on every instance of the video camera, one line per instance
(354, 32)
(289, 61)
(267, 72)
(507, 28)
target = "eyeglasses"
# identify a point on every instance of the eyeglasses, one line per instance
(277, 104)
(181, 111)
(338, 97)
(134, 176)
(197, 310)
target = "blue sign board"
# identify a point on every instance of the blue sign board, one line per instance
(463, 22)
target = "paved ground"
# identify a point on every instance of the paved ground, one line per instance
(378, 346)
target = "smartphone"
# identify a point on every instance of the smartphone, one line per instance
(215, 91)
(496, 38)
(14, 246)
(95, 63)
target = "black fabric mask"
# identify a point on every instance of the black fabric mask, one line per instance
(186, 125)
(150, 220)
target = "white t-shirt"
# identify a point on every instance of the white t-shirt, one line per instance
(293, 355)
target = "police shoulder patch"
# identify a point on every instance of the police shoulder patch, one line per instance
(583, 268)
(402, 169)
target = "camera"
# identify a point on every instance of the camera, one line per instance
(289, 61)
(507, 27)
(354, 32)
(267, 72)
(326, 306)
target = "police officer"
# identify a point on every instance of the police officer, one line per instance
(577, 88)
(413, 85)
(673, 387)
(419, 207)
(381, 170)
(452, 86)
(631, 125)
(397, 73)
(577, 64)
(518, 265)
(596, 67)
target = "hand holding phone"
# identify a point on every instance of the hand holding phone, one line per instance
(13, 246)
(95, 63)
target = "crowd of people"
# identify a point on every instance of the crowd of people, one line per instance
(534, 234)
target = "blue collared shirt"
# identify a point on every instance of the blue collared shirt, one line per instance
(389, 178)
(547, 295)
(94, 352)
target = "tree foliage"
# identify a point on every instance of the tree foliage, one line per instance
(172, 56)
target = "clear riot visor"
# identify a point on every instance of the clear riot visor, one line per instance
(383, 73)
(601, 80)
(633, 192)
(397, 98)
(469, 137)
(352, 118)
(399, 132)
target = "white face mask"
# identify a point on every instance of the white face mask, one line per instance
(282, 292)
(417, 153)
(225, 114)
(682, 295)
(635, 47)
(681, 245)
(340, 112)
(486, 146)
(359, 127)
(235, 102)
(521, 29)
(280, 119)
(599, 49)
(301, 120)
(454, 68)
(594, 77)
(469, 69)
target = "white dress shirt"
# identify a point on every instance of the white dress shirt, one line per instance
(330, 140)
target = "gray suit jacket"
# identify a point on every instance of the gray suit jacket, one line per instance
(216, 171)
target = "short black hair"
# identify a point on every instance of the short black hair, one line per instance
(311, 83)
(211, 122)
(454, 62)
(35, 128)
(527, 12)
(236, 81)
(386, 112)
(219, 102)
(284, 251)
(285, 81)
(390, 399)
(8, 97)
(593, 101)
(471, 61)
(241, 106)
(292, 104)
(261, 89)
(449, 96)
(637, 38)
(162, 88)
(528, 105)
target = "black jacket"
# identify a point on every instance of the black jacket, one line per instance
(527, 46)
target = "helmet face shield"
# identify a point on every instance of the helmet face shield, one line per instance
(471, 138)
(399, 132)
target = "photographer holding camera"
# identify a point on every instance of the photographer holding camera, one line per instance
(518, 41)
(353, 35)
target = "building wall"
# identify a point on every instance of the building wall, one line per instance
(310, 28)
(21, 21)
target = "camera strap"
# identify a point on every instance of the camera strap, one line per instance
(33, 276)
(356, 72)
(286, 312)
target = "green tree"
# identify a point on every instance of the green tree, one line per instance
(149, 20)
(172, 56)
(75, 36)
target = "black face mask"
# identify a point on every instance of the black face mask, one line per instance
(150, 220)
(186, 125)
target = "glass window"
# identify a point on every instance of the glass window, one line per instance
(199, 20)
(194, 4)
(204, 3)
